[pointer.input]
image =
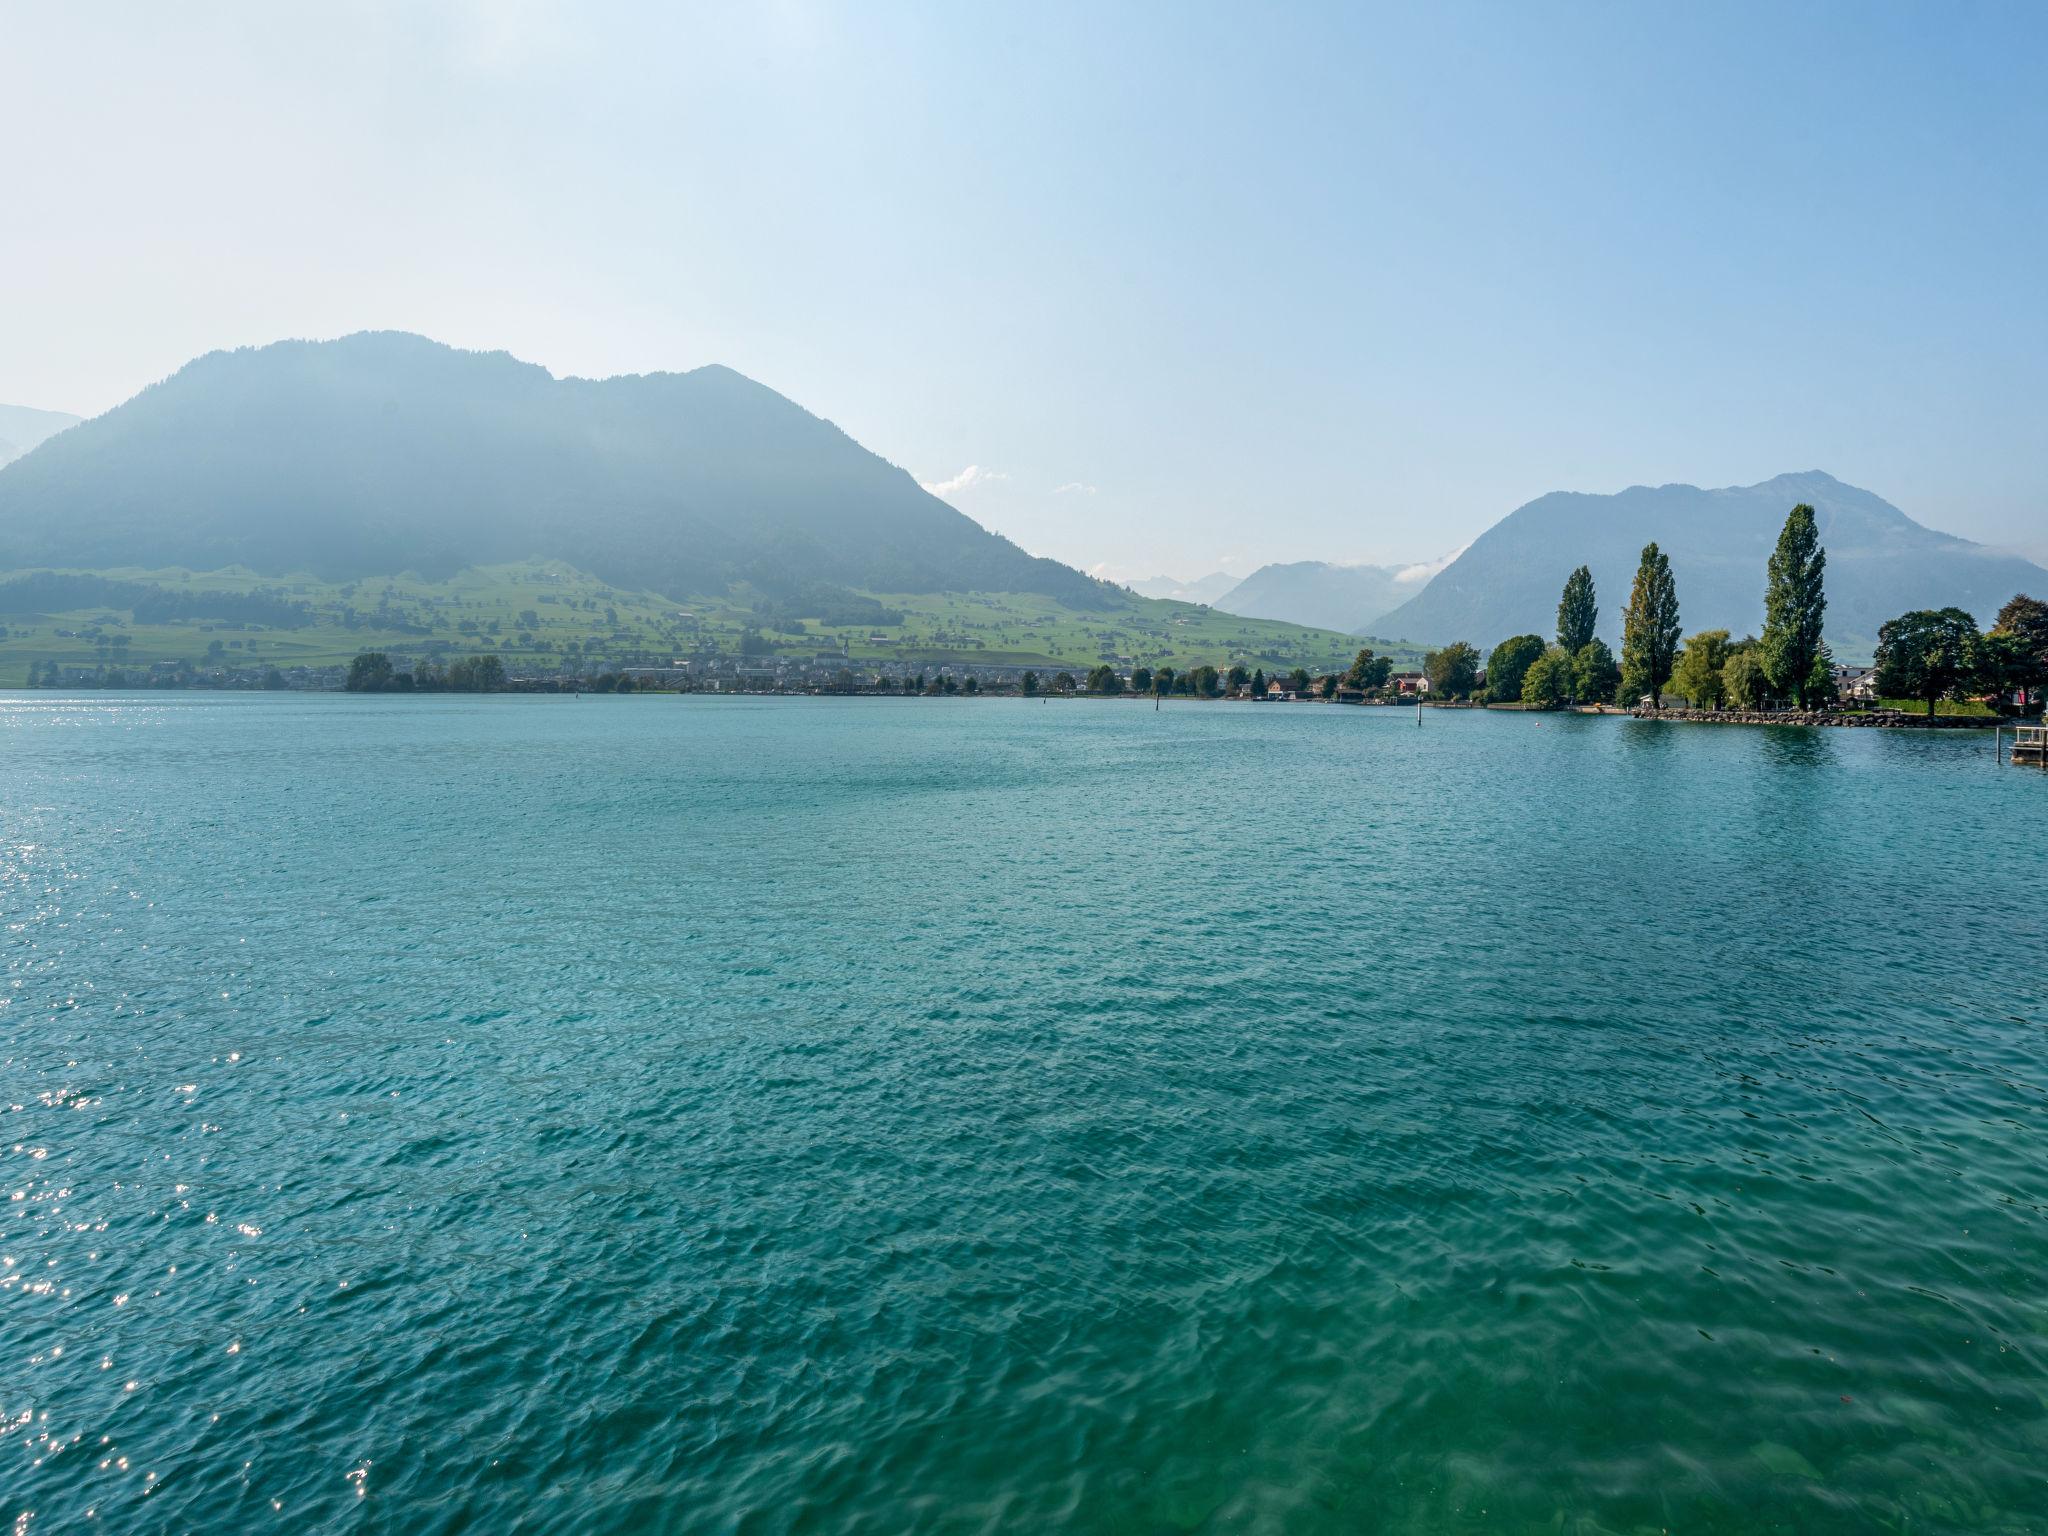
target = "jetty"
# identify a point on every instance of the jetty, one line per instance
(2030, 746)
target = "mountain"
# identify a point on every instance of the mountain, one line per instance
(1346, 597)
(1880, 563)
(22, 428)
(1170, 588)
(385, 452)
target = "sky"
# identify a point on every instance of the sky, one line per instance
(1151, 289)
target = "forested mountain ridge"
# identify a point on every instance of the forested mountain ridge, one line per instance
(384, 452)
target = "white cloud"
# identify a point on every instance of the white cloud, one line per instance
(966, 480)
(1415, 575)
(1073, 488)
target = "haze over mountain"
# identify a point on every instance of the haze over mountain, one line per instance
(1880, 563)
(1205, 589)
(22, 427)
(1346, 597)
(383, 452)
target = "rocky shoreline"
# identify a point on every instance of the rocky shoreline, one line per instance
(1882, 719)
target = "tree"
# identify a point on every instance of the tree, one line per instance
(1548, 679)
(1259, 683)
(1064, 681)
(1509, 664)
(2020, 652)
(971, 685)
(1205, 681)
(1594, 674)
(1577, 612)
(1649, 628)
(1743, 683)
(1104, 679)
(273, 680)
(1141, 680)
(1162, 681)
(1793, 604)
(2026, 620)
(476, 674)
(1697, 677)
(1236, 676)
(1029, 684)
(1452, 671)
(369, 672)
(1929, 654)
(1326, 685)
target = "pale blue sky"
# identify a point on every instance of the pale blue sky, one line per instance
(1249, 282)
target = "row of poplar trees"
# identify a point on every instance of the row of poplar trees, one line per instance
(1794, 658)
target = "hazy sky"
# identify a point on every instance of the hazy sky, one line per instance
(1154, 288)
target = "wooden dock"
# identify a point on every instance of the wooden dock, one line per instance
(2030, 746)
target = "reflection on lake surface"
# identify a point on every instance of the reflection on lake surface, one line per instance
(740, 1115)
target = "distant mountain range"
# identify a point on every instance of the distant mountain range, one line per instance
(1204, 590)
(1880, 563)
(1346, 597)
(384, 452)
(22, 428)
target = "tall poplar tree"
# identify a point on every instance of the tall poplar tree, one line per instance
(1649, 628)
(1577, 612)
(1791, 649)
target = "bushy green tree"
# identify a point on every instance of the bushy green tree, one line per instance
(1259, 683)
(1548, 679)
(476, 674)
(2019, 644)
(1237, 677)
(1794, 602)
(1064, 682)
(1141, 680)
(1162, 681)
(1509, 664)
(1594, 673)
(1326, 685)
(1929, 654)
(1297, 681)
(1369, 672)
(1453, 672)
(1649, 628)
(1578, 614)
(1743, 683)
(369, 672)
(1104, 679)
(1697, 676)
(1030, 684)
(1205, 681)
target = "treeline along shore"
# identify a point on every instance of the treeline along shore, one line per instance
(1786, 675)
(1930, 665)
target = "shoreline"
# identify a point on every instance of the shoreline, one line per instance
(1885, 720)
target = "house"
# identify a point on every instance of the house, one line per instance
(1409, 684)
(1856, 684)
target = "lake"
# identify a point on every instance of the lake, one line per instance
(761, 1116)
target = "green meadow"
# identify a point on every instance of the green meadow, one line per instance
(549, 616)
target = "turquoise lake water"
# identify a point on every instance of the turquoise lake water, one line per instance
(760, 1116)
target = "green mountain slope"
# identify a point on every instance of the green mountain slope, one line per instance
(385, 452)
(547, 618)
